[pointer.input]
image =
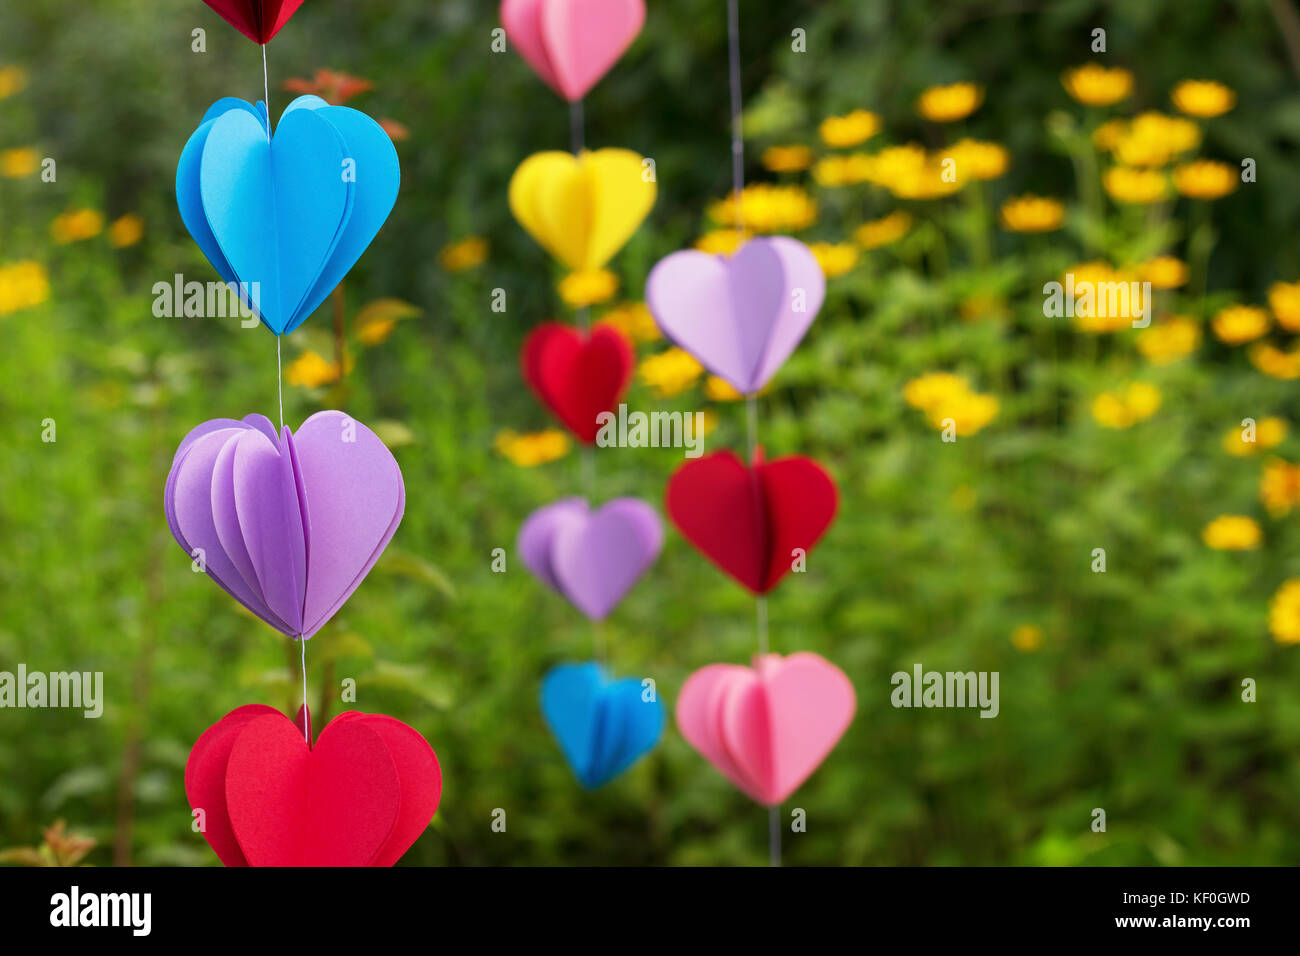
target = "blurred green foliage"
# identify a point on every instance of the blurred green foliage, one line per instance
(1132, 703)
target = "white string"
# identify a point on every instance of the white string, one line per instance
(306, 713)
(266, 93)
(279, 381)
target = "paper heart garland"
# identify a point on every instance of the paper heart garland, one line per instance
(749, 521)
(767, 728)
(360, 796)
(578, 375)
(591, 557)
(571, 44)
(288, 524)
(259, 20)
(602, 726)
(740, 316)
(283, 219)
(581, 209)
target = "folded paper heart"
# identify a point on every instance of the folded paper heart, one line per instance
(753, 523)
(288, 524)
(259, 20)
(602, 726)
(740, 316)
(284, 218)
(571, 44)
(360, 796)
(582, 209)
(578, 375)
(767, 728)
(591, 557)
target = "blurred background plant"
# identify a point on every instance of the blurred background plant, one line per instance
(944, 159)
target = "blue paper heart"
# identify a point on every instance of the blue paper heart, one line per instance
(292, 212)
(602, 726)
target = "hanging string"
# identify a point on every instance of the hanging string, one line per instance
(751, 402)
(279, 381)
(306, 713)
(587, 455)
(266, 92)
(279, 389)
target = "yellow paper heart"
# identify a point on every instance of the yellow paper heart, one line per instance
(581, 209)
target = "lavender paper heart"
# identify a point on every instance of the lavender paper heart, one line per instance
(740, 316)
(591, 557)
(287, 524)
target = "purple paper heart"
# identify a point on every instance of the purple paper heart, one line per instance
(287, 524)
(591, 557)
(740, 316)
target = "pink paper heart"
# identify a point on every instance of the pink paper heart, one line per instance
(767, 728)
(571, 44)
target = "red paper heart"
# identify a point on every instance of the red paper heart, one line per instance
(360, 797)
(259, 20)
(748, 521)
(577, 377)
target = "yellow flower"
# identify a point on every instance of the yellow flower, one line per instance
(934, 388)
(1138, 186)
(1027, 638)
(832, 171)
(1279, 486)
(1168, 341)
(589, 287)
(376, 332)
(931, 180)
(1125, 408)
(787, 159)
(19, 162)
(967, 415)
(721, 242)
(1107, 136)
(1269, 433)
(1284, 300)
(835, 258)
(977, 159)
(1274, 362)
(1232, 533)
(463, 254)
(22, 285)
(310, 370)
(1204, 98)
(125, 231)
(1284, 613)
(1237, 324)
(13, 79)
(945, 398)
(670, 373)
(1094, 85)
(532, 448)
(1163, 272)
(1152, 139)
(1032, 214)
(946, 104)
(77, 225)
(720, 390)
(766, 208)
(634, 320)
(850, 129)
(881, 232)
(1108, 313)
(1205, 179)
